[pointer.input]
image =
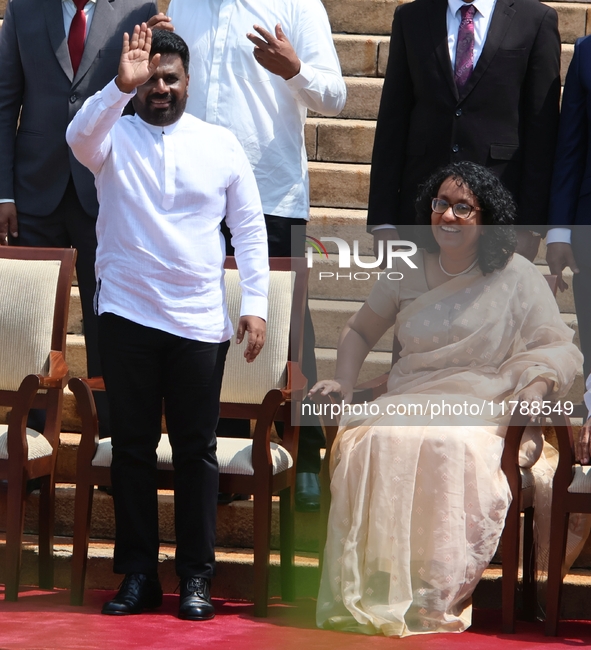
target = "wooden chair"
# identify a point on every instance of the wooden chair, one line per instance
(571, 492)
(521, 482)
(268, 390)
(34, 301)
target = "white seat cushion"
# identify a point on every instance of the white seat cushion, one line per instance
(581, 483)
(234, 455)
(27, 296)
(38, 444)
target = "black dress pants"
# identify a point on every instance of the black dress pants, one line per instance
(279, 237)
(142, 367)
(69, 225)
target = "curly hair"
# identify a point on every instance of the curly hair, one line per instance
(498, 243)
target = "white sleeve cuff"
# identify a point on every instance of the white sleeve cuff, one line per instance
(303, 78)
(254, 306)
(113, 98)
(6, 200)
(558, 235)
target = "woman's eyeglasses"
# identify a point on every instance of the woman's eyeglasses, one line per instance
(460, 210)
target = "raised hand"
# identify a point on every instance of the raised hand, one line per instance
(275, 53)
(135, 65)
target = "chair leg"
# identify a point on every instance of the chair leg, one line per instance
(558, 535)
(529, 567)
(46, 525)
(286, 511)
(510, 541)
(82, 516)
(262, 543)
(15, 517)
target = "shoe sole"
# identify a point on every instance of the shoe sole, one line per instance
(139, 611)
(196, 618)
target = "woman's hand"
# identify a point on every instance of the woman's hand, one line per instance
(535, 392)
(582, 443)
(328, 386)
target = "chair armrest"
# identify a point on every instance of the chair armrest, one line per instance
(370, 390)
(261, 441)
(297, 384)
(58, 372)
(17, 446)
(87, 410)
(566, 453)
(94, 383)
(510, 457)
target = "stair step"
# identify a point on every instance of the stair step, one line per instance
(233, 579)
(75, 312)
(361, 16)
(336, 140)
(363, 98)
(339, 185)
(234, 575)
(361, 55)
(234, 521)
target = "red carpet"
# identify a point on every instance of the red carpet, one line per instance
(43, 620)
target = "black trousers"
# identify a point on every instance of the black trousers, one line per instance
(142, 367)
(69, 225)
(279, 236)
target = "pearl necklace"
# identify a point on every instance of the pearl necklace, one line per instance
(455, 275)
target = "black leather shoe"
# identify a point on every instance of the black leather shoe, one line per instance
(137, 592)
(307, 495)
(195, 602)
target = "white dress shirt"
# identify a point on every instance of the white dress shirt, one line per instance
(69, 11)
(163, 192)
(482, 18)
(265, 112)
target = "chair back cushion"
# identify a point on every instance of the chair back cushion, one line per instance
(37, 443)
(248, 383)
(27, 301)
(234, 455)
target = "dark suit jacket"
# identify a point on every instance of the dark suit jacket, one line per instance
(570, 202)
(37, 80)
(506, 117)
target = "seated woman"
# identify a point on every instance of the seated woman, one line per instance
(419, 501)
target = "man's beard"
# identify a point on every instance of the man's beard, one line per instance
(168, 115)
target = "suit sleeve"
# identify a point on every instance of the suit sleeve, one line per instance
(541, 98)
(571, 151)
(11, 95)
(391, 131)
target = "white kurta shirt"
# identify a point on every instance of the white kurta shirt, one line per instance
(265, 112)
(163, 192)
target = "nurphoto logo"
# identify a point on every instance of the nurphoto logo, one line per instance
(400, 248)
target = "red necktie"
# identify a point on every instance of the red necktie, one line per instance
(77, 34)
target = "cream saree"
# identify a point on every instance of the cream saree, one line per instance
(419, 501)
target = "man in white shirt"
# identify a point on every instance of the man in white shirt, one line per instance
(165, 180)
(262, 95)
(495, 103)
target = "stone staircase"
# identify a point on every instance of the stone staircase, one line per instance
(339, 153)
